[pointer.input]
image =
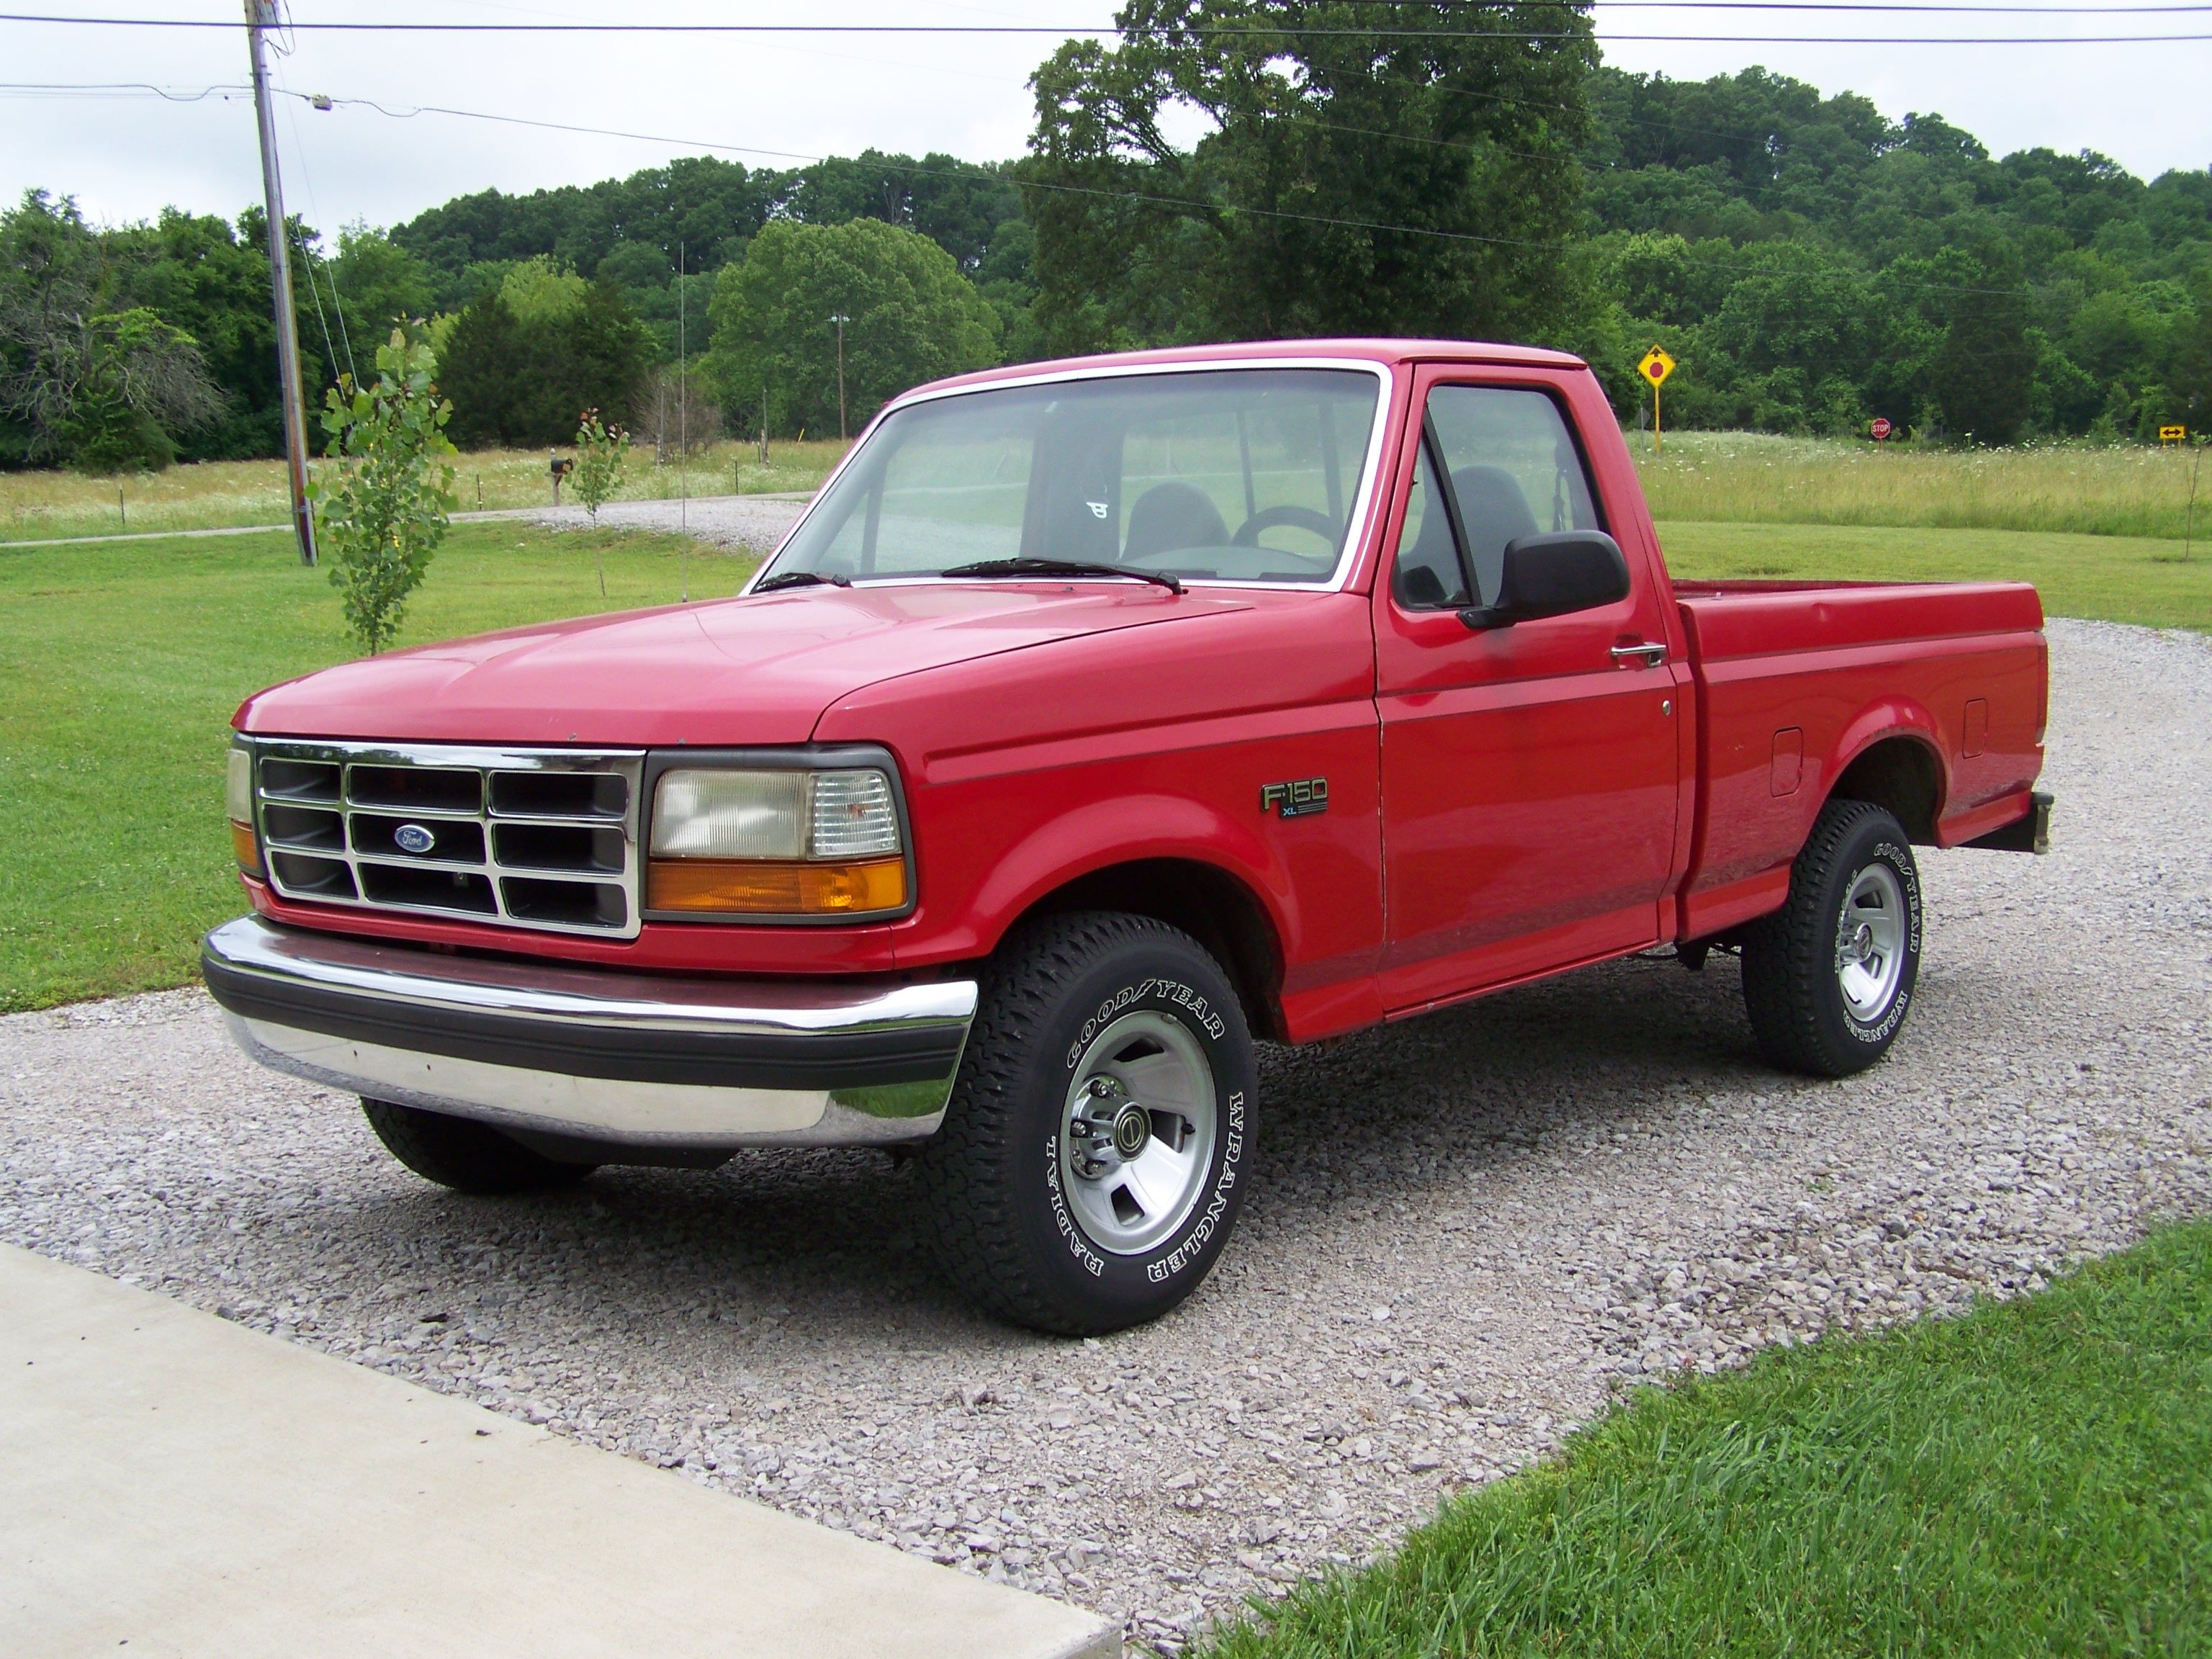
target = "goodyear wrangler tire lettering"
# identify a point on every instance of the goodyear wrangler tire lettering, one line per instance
(1090, 1170)
(1829, 979)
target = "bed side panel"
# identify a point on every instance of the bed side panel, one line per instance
(1795, 685)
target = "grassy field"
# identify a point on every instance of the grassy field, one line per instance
(1749, 477)
(2115, 578)
(119, 667)
(1710, 477)
(2033, 1478)
(216, 494)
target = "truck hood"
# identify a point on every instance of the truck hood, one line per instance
(743, 670)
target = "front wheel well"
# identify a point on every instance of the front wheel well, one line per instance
(1901, 775)
(1208, 904)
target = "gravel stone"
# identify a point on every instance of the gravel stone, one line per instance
(743, 523)
(1466, 1234)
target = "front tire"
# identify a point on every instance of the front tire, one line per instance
(1829, 978)
(465, 1155)
(1093, 1158)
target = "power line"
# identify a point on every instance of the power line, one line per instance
(1197, 32)
(114, 88)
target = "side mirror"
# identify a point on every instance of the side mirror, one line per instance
(1552, 575)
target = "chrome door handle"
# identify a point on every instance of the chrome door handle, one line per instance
(1649, 654)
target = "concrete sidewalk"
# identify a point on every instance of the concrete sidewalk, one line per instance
(174, 1484)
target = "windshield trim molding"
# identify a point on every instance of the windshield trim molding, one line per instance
(1362, 522)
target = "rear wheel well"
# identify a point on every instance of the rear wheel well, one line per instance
(1206, 902)
(1901, 775)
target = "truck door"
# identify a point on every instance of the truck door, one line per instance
(1528, 772)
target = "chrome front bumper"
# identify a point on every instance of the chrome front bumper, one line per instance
(633, 1060)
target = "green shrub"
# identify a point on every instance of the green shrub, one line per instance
(386, 509)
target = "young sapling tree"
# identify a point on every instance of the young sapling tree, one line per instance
(601, 449)
(386, 508)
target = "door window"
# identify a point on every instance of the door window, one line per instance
(1427, 575)
(1514, 470)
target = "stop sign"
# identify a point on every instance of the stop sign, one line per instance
(1881, 428)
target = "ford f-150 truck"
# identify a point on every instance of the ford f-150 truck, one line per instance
(1098, 720)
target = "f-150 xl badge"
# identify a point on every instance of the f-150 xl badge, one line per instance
(1300, 798)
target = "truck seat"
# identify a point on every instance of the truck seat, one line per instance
(1171, 516)
(1494, 512)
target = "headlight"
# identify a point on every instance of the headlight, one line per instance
(794, 843)
(238, 797)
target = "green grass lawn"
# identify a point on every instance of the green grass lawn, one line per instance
(120, 665)
(2115, 578)
(2033, 1478)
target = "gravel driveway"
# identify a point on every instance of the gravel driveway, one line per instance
(743, 523)
(1464, 1233)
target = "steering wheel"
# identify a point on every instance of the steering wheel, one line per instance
(1294, 518)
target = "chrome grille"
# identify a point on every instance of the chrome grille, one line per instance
(541, 838)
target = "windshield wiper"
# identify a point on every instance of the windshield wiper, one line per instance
(1061, 568)
(799, 579)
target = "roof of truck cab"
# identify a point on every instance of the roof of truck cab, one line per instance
(1372, 351)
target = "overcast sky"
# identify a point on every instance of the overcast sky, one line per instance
(124, 157)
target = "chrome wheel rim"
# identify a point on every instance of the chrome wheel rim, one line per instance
(1137, 1132)
(1870, 943)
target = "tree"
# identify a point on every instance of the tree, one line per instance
(956, 205)
(210, 278)
(378, 284)
(2189, 376)
(478, 359)
(1797, 329)
(139, 379)
(1984, 374)
(524, 357)
(85, 377)
(102, 392)
(1366, 177)
(911, 316)
(600, 452)
(674, 414)
(385, 510)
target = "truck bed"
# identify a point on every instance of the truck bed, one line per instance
(1943, 681)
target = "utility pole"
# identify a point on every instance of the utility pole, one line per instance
(683, 432)
(840, 319)
(260, 14)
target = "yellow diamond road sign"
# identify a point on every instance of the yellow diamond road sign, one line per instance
(1656, 365)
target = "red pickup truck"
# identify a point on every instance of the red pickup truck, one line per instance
(1097, 721)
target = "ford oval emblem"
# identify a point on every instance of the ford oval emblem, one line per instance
(413, 838)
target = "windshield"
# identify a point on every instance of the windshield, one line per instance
(1248, 474)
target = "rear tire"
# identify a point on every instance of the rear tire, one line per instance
(1828, 979)
(1093, 1158)
(465, 1155)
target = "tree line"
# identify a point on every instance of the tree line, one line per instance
(1810, 262)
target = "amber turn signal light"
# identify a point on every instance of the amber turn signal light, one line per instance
(248, 850)
(775, 887)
